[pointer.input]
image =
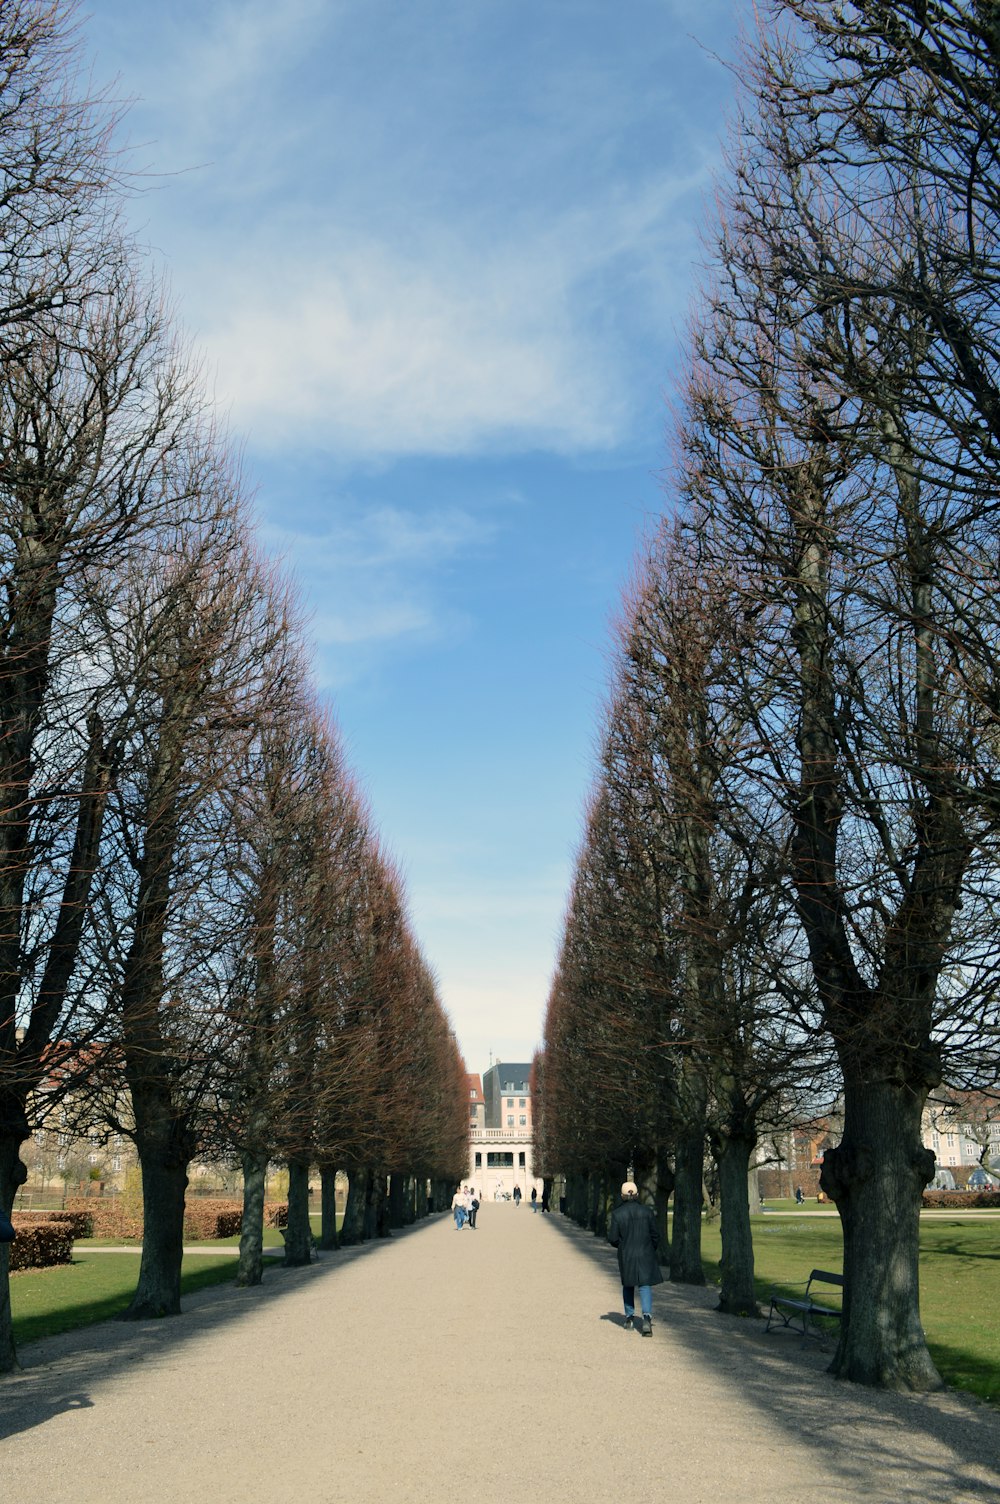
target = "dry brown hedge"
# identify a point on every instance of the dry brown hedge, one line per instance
(956, 1199)
(80, 1223)
(40, 1244)
(111, 1218)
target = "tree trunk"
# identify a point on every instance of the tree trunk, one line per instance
(382, 1227)
(421, 1201)
(397, 1190)
(593, 1196)
(876, 1177)
(298, 1233)
(685, 1245)
(376, 1206)
(13, 1174)
(352, 1228)
(164, 1181)
(737, 1296)
(328, 1207)
(251, 1265)
(664, 1190)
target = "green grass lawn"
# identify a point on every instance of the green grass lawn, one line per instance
(959, 1283)
(97, 1286)
(93, 1288)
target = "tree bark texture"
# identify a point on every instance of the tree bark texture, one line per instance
(12, 1176)
(352, 1228)
(328, 1207)
(164, 1181)
(298, 1233)
(876, 1176)
(685, 1245)
(737, 1296)
(397, 1194)
(251, 1265)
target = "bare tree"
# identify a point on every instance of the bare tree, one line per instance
(873, 684)
(198, 622)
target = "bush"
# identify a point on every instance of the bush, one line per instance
(81, 1224)
(955, 1199)
(41, 1242)
(110, 1216)
(212, 1219)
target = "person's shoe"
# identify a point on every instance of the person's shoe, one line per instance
(647, 1326)
(629, 1323)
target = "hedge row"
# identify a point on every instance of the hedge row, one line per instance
(40, 1244)
(955, 1199)
(80, 1223)
(110, 1217)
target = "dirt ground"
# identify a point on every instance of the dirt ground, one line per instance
(487, 1364)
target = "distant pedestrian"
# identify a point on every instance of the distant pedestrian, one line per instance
(458, 1207)
(473, 1207)
(517, 1195)
(799, 1197)
(534, 1198)
(545, 1197)
(634, 1233)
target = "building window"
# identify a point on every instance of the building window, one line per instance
(499, 1160)
(523, 1120)
(520, 1102)
(510, 1120)
(479, 1160)
(472, 1092)
(520, 1159)
(510, 1101)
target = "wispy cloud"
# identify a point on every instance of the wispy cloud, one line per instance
(455, 257)
(373, 574)
(383, 356)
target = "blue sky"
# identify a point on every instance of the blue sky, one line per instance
(436, 256)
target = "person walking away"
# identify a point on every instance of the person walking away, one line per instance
(458, 1207)
(534, 1198)
(517, 1195)
(634, 1233)
(473, 1207)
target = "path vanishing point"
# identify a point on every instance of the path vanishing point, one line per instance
(487, 1365)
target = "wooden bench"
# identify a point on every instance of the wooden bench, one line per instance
(799, 1315)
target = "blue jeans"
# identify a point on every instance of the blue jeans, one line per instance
(645, 1299)
(459, 1217)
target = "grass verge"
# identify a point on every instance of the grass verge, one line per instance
(98, 1286)
(959, 1278)
(94, 1287)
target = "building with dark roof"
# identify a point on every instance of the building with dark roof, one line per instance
(507, 1091)
(501, 1145)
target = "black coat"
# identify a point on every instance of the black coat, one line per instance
(634, 1233)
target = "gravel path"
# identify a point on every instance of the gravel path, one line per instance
(489, 1363)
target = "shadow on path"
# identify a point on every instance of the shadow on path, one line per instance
(944, 1446)
(59, 1373)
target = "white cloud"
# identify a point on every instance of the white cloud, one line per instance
(404, 241)
(372, 574)
(379, 354)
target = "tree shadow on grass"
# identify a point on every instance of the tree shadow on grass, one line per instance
(63, 1372)
(934, 1447)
